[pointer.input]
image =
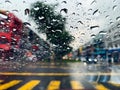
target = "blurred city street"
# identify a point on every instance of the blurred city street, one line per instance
(59, 44)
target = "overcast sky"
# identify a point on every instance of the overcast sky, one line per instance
(81, 15)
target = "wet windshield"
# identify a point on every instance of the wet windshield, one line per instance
(59, 44)
(3, 40)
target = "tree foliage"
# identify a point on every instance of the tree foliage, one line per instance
(53, 25)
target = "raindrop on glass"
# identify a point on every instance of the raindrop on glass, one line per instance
(94, 27)
(96, 12)
(73, 13)
(80, 22)
(93, 2)
(106, 16)
(102, 32)
(7, 1)
(79, 4)
(93, 35)
(118, 18)
(41, 17)
(118, 25)
(24, 2)
(114, 7)
(37, 8)
(64, 2)
(64, 10)
(27, 11)
(82, 33)
(114, 0)
(15, 10)
(2, 22)
(71, 26)
(111, 22)
(26, 23)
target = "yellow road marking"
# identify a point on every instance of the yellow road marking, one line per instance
(30, 85)
(9, 84)
(54, 85)
(99, 86)
(76, 85)
(53, 74)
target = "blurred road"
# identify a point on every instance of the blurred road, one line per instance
(67, 76)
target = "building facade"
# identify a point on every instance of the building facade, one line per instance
(112, 41)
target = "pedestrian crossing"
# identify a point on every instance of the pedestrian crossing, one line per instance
(56, 85)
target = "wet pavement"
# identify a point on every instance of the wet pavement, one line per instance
(69, 76)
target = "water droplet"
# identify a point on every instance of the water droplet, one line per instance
(73, 13)
(93, 35)
(76, 27)
(114, 0)
(96, 12)
(2, 22)
(14, 29)
(64, 10)
(90, 9)
(111, 22)
(93, 27)
(64, 2)
(79, 4)
(24, 2)
(27, 11)
(71, 26)
(7, 1)
(15, 10)
(114, 7)
(26, 23)
(80, 22)
(37, 8)
(118, 18)
(82, 33)
(93, 2)
(102, 32)
(41, 17)
(118, 25)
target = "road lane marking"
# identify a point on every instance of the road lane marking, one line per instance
(30, 85)
(9, 84)
(53, 74)
(54, 85)
(76, 85)
(99, 86)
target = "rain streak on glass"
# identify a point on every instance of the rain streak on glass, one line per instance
(94, 27)
(93, 2)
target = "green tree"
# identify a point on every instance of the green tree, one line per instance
(53, 25)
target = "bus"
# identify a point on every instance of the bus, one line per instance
(10, 34)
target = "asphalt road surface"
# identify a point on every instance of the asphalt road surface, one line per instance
(42, 76)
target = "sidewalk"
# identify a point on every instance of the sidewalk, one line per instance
(10, 65)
